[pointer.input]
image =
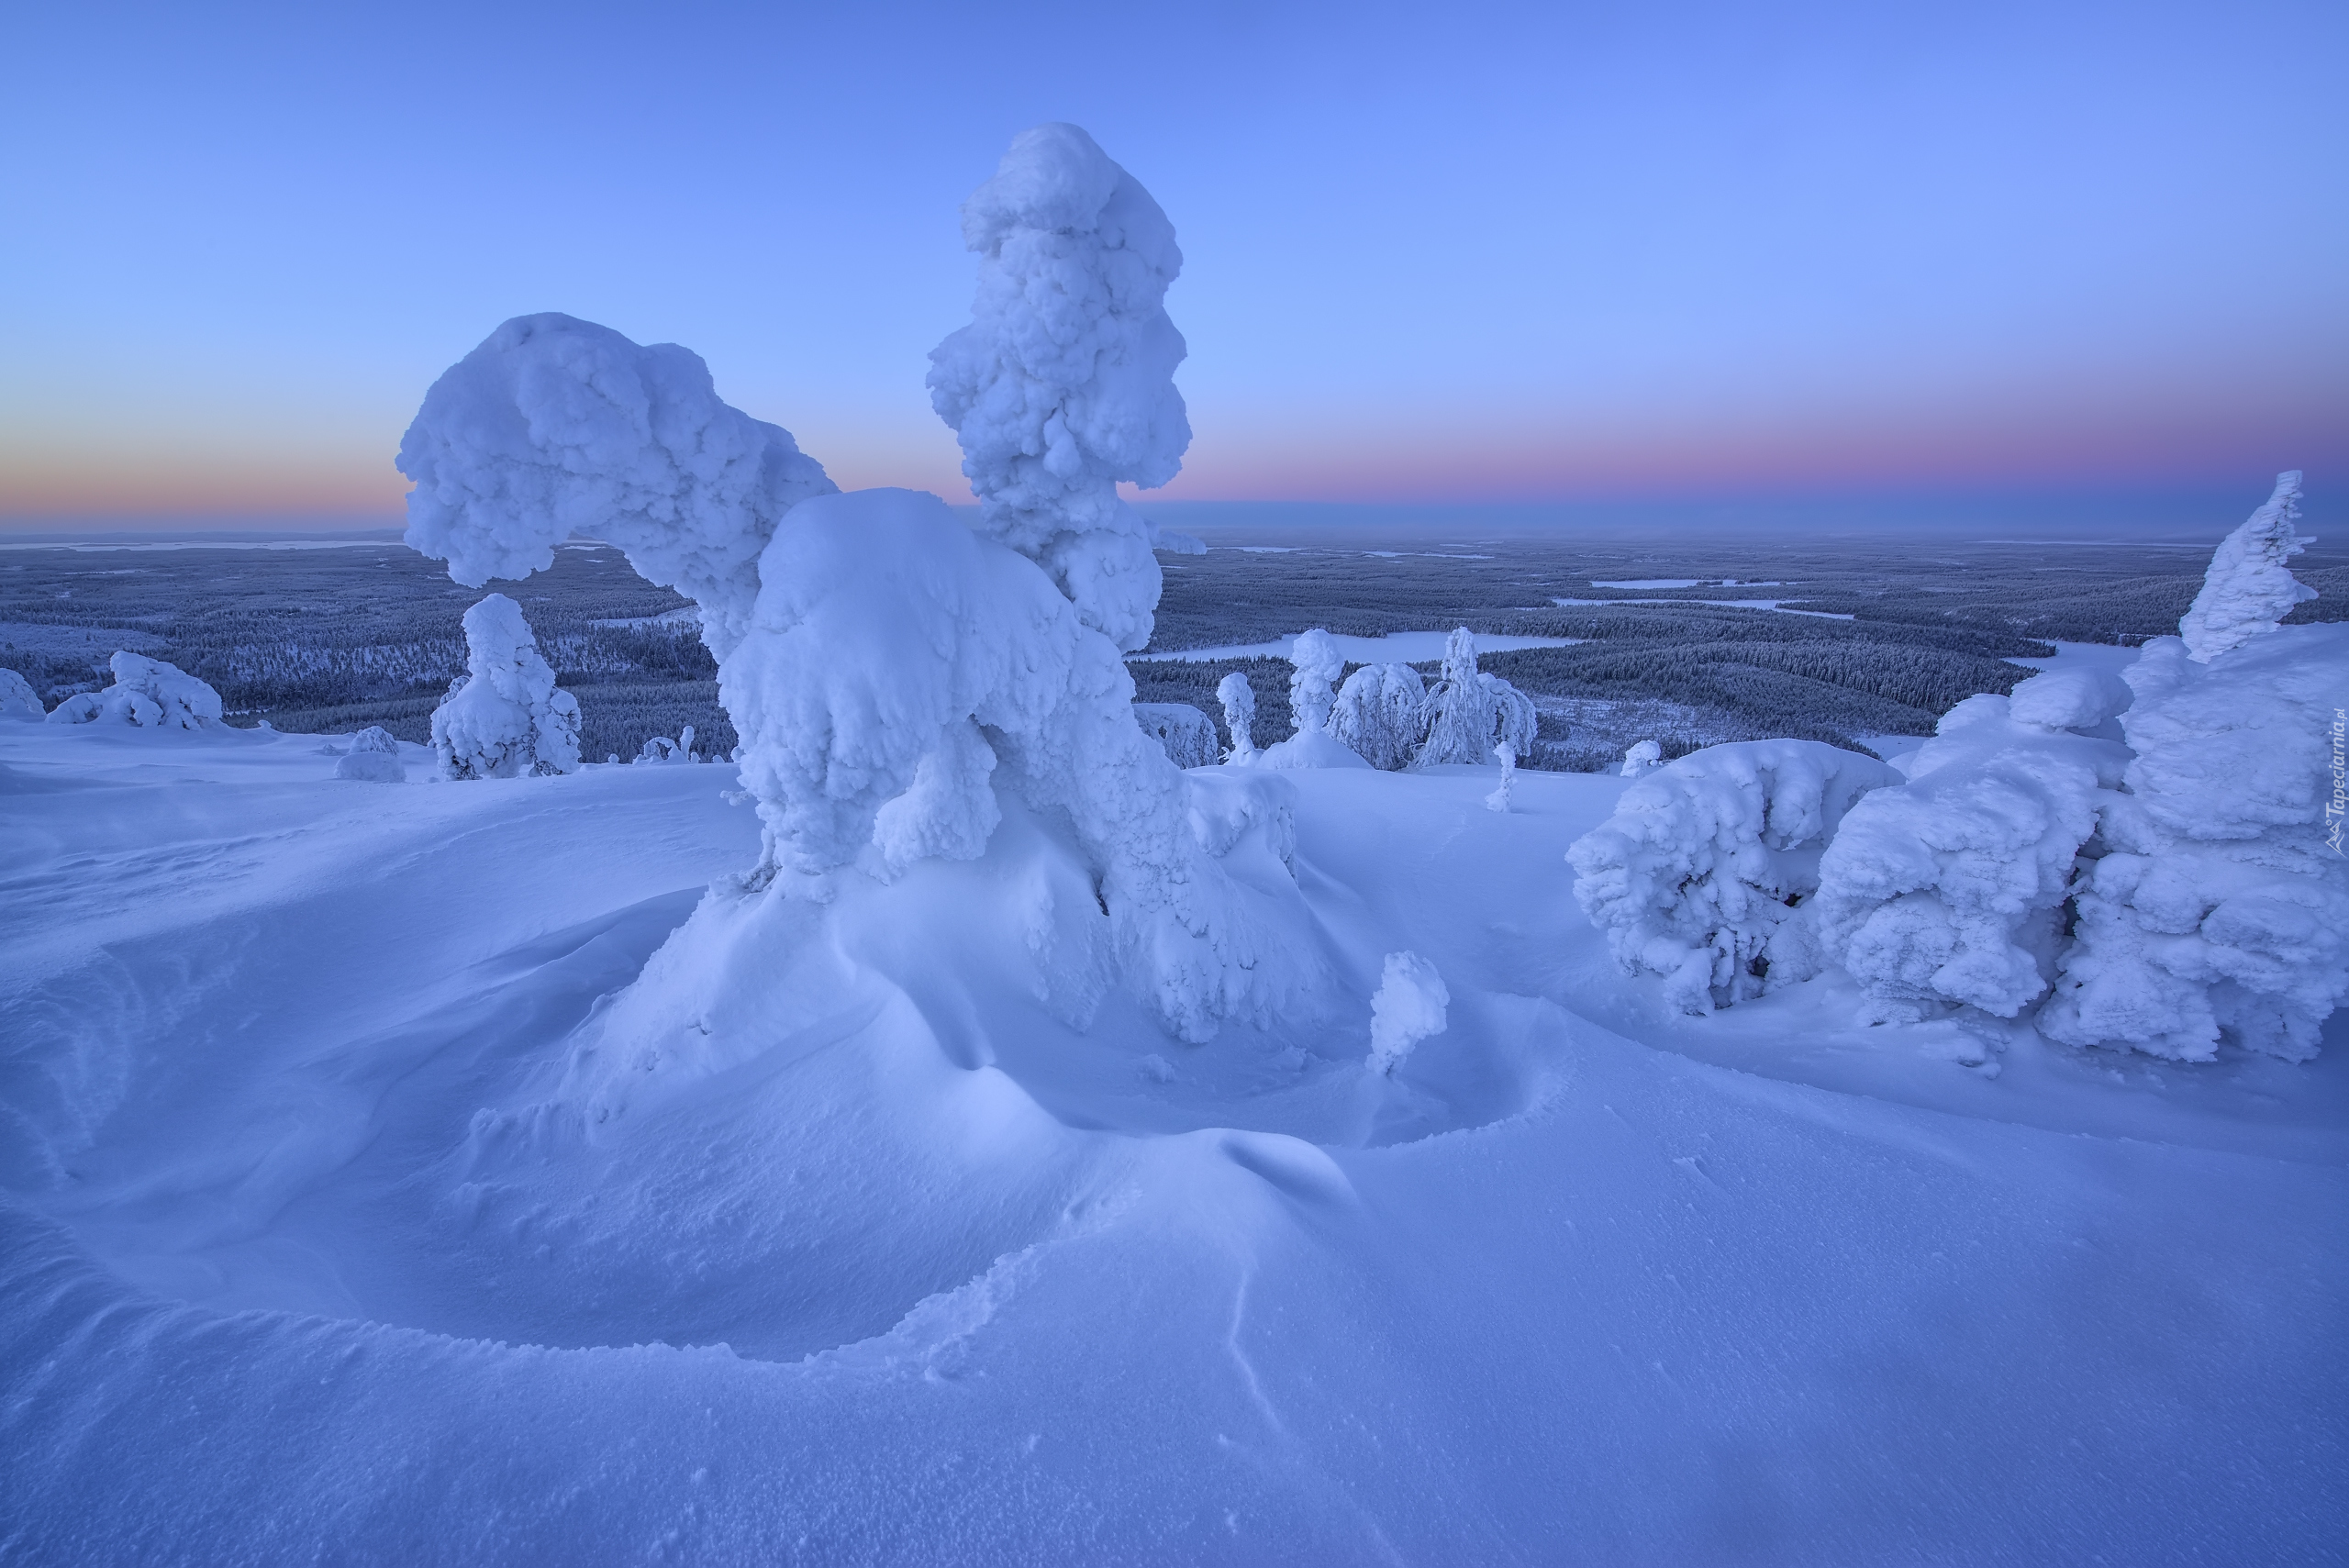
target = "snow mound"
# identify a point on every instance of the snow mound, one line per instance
(1187, 735)
(1469, 712)
(2221, 910)
(17, 698)
(1239, 700)
(147, 693)
(504, 717)
(2069, 700)
(1408, 1008)
(555, 426)
(1382, 714)
(1315, 665)
(1700, 872)
(373, 758)
(1949, 888)
(2248, 588)
(1063, 384)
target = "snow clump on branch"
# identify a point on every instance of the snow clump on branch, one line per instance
(504, 717)
(555, 426)
(1063, 384)
(2248, 588)
(1701, 874)
(147, 693)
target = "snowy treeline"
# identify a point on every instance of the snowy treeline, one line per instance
(2141, 862)
(1389, 717)
(504, 717)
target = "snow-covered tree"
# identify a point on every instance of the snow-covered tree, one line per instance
(1239, 700)
(556, 426)
(1062, 383)
(1469, 712)
(17, 698)
(2221, 908)
(1951, 888)
(504, 717)
(1408, 1008)
(1640, 758)
(1382, 713)
(1314, 664)
(1701, 874)
(1506, 755)
(373, 758)
(2248, 588)
(1187, 734)
(660, 748)
(147, 693)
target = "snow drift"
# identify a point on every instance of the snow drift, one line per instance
(146, 693)
(1701, 873)
(504, 717)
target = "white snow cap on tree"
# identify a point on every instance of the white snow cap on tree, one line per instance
(373, 758)
(1950, 889)
(1187, 735)
(1408, 1008)
(1314, 664)
(1239, 700)
(2248, 588)
(1701, 874)
(555, 426)
(2220, 909)
(1063, 384)
(1382, 713)
(1640, 758)
(17, 698)
(1469, 712)
(504, 718)
(147, 693)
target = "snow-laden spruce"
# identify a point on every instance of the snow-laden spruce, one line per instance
(1186, 735)
(1470, 712)
(1382, 713)
(1315, 665)
(1062, 383)
(373, 758)
(146, 693)
(2249, 587)
(1951, 888)
(555, 426)
(17, 698)
(504, 717)
(1239, 700)
(1701, 874)
(1408, 1008)
(1640, 758)
(2220, 911)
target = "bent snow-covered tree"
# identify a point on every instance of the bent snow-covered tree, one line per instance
(1701, 874)
(148, 693)
(17, 698)
(2248, 588)
(1382, 713)
(504, 717)
(1469, 712)
(1186, 734)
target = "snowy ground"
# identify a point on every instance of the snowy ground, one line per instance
(321, 1238)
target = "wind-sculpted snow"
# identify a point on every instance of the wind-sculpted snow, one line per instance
(1063, 384)
(555, 426)
(1701, 874)
(2221, 908)
(2249, 588)
(900, 668)
(1408, 1008)
(1951, 888)
(1470, 712)
(147, 693)
(1382, 713)
(504, 717)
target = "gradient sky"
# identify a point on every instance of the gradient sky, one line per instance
(1434, 252)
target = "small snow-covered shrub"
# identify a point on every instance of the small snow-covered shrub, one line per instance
(1701, 874)
(1382, 713)
(1064, 382)
(2248, 588)
(373, 758)
(1506, 755)
(1408, 1008)
(1469, 712)
(147, 693)
(17, 698)
(1641, 759)
(2221, 910)
(504, 717)
(1187, 734)
(1951, 888)
(1239, 700)
(1314, 663)
(660, 748)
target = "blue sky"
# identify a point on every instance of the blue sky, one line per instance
(1433, 253)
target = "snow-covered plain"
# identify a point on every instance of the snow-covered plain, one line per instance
(315, 1246)
(1394, 647)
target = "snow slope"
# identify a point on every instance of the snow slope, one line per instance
(348, 1213)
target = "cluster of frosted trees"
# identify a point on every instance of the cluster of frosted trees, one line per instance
(2149, 862)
